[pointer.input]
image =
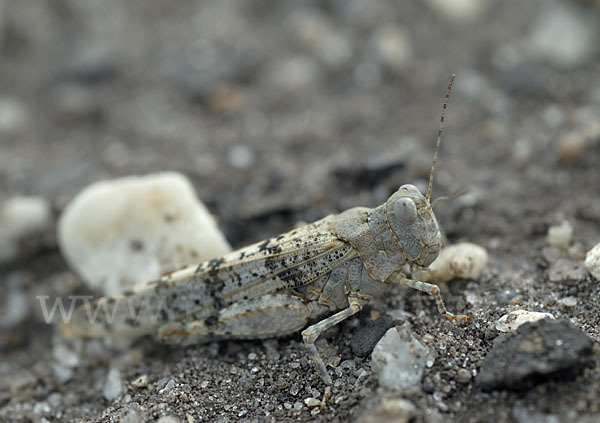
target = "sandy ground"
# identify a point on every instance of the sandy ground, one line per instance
(282, 112)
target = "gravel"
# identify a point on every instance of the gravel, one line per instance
(98, 90)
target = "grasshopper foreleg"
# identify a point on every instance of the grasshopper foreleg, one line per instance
(432, 290)
(311, 334)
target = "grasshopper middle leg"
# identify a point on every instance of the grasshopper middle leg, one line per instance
(311, 334)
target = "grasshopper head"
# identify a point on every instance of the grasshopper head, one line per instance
(410, 217)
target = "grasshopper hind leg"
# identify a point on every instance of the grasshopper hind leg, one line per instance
(263, 317)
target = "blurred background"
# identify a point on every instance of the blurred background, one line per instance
(285, 111)
(273, 106)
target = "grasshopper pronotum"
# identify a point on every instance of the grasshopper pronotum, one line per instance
(275, 287)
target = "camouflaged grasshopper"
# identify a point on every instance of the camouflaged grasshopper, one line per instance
(275, 287)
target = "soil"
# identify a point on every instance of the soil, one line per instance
(284, 112)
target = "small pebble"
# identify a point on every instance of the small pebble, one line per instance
(168, 419)
(592, 261)
(295, 74)
(571, 147)
(141, 382)
(577, 251)
(400, 359)
(511, 321)
(463, 260)
(170, 385)
(20, 217)
(568, 301)
(392, 47)
(312, 402)
(62, 373)
(560, 235)
(566, 271)
(323, 40)
(391, 410)
(91, 61)
(240, 157)
(461, 12)
(15, 305)
(564, 35)
(504, 296)
(14, 116)
(113, 386)
(463, 376)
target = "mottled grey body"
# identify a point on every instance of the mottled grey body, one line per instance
(275, 287)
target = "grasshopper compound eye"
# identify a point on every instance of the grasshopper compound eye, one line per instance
(405, 210)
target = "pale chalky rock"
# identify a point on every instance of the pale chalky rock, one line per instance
(560, 235)
(127, 231)
(592, 261)
(21, 217)
(400, 359)
(463, 260)
(511, 321)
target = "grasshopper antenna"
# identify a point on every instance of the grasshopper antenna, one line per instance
(448, 197)
(439, 137)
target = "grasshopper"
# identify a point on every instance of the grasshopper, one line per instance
(275, 287)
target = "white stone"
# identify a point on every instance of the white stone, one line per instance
(312, 402)
(568, 301)
(140, 382)
(112, 387)
(460, 11)
(592, 261)
(400, 359)
(560, 235)
(62, 373)
(392, 46)
(564, 35)
(293, 74)
(21, 216)
(14, 116)
(319, 36)
(127, 231)
(240, 157)
(511, 321)
(463, 260)
(169, 386)
(15, 306)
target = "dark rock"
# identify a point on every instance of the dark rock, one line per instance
(536, 352)
(91, 62)
(366, 337)
(503, 297)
